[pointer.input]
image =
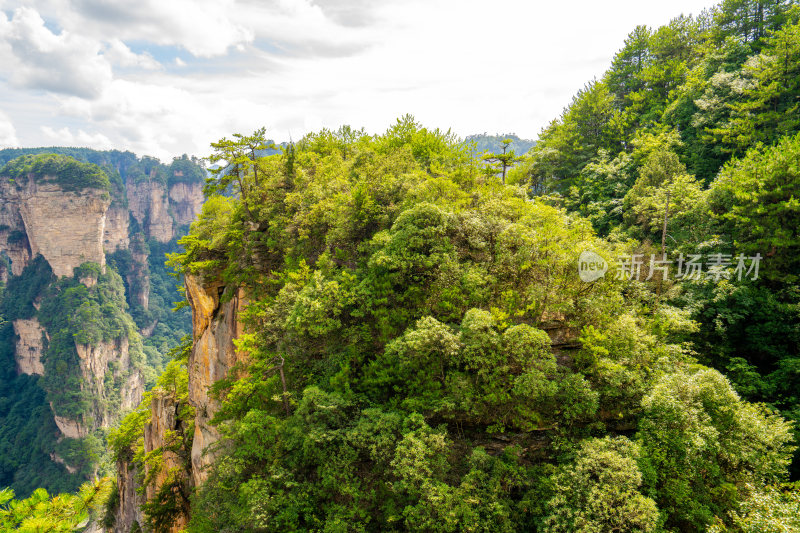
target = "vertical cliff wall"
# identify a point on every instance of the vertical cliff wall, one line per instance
(73, 214)
(29, 346)
(148, 203)
(187, 200)
(177, 440)
(138, 276)
(215, 325)
(15, 251)
(129, 510)
(115, 235)
(161, 469)
(67, 228)
(104, 362)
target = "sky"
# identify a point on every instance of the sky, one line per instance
(167, 77)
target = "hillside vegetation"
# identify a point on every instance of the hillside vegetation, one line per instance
(698, 122)
(445, 367)
(419, 350)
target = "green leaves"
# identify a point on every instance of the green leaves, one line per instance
(238, 159)
(601, 491)
(62, 513)
(755, 201)
(428, 322)
(698, 437)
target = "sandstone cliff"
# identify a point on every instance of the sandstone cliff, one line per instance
(215, 325)
(66, 228)
(129, 510)
(28, 353)
(68, 225)
(72, 429)
(115, 235)
(109, 360)
(15, 252)
(187, 200)
(148, 203)
(138, 277)
(114, 383)
(161, 435)
(164, 472)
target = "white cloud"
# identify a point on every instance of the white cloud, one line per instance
(119, 54)
(65, 63)
(162, 120)
(8, 134)
(65, 137)
(203, 27)
(298, 65)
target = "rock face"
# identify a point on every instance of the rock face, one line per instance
(29, 347)
(37, 216)
(96, 362)
(66, 228)
(160, 434)
(215, 325)
(163, 419)
(139, 275)
(115, 235)
(164, 424)
(15, 251)
(187, 200)
(129, 510)
(148, 202)
(72, 429)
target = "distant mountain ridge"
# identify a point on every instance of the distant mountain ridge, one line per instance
(494, 143)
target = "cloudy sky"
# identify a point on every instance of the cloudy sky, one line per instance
(165, 77)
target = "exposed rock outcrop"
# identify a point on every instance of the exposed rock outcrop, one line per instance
(66, 228)
(38, 216)
(129, 511)
(115, 235)
(138, 276)
(187, 200)
(98, 363)
(15, 251)
(148, 202)
(167, 468)
(215, 325)
(161, 433)
(95, 362)
(72, 429)
(28, 353)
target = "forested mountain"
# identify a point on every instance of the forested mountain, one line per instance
(86, 302)
(397, 341)
(698, 123)
(388, 337)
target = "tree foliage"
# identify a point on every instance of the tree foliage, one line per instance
(445, 368)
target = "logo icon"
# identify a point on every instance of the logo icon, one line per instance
(591, 266)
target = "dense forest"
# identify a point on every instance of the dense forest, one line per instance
(696, 126)
(417, 347)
